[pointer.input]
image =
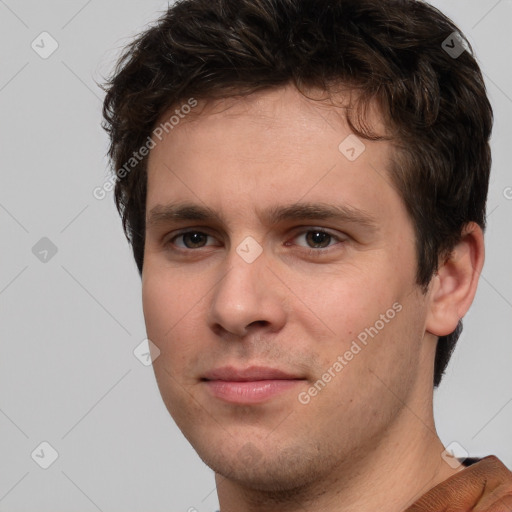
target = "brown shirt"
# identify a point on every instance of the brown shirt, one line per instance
(484, 486)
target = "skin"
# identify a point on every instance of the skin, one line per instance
(297, 307)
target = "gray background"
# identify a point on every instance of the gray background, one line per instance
(68, 326)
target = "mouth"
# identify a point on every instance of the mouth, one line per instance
(251, 385)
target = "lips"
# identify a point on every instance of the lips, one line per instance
(250, 385)
(253, 373)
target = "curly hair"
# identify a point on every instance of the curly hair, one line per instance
(394, 52)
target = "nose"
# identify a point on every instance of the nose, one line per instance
(248, 297)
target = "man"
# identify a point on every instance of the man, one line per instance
(304, 186)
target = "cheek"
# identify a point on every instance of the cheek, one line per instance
(374, 363)
(174, 316)
(170, 317)
(366, 313)
(167, 301)
(157, 304)
(347, 302)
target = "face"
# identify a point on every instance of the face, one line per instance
(279, 286)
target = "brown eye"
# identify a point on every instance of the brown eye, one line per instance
(191, 240)
(318, 239)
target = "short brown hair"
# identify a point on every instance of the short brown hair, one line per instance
(391, 51)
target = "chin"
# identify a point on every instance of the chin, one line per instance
(282, 471)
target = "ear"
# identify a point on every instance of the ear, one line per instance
(453, 287)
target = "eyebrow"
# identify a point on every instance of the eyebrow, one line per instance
(161, 214)
(321, 211)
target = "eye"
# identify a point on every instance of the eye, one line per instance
(317, 239)
(191, 240)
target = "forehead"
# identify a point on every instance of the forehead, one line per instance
(279, 104)
(268, 147)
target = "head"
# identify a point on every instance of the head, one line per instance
(243, 105)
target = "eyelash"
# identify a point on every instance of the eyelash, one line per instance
(311, 251)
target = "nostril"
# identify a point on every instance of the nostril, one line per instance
(259, 323)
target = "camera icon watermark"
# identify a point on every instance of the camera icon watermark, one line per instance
(351, 148)
(249, 250)
(507, 193)
(454, 455)
(44, 250)
(44, 455)
(454, 45)
(44, 45)
(146, 352)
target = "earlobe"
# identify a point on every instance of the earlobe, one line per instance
(453, 288)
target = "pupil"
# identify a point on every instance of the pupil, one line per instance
(192, 240)
(318, 238)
